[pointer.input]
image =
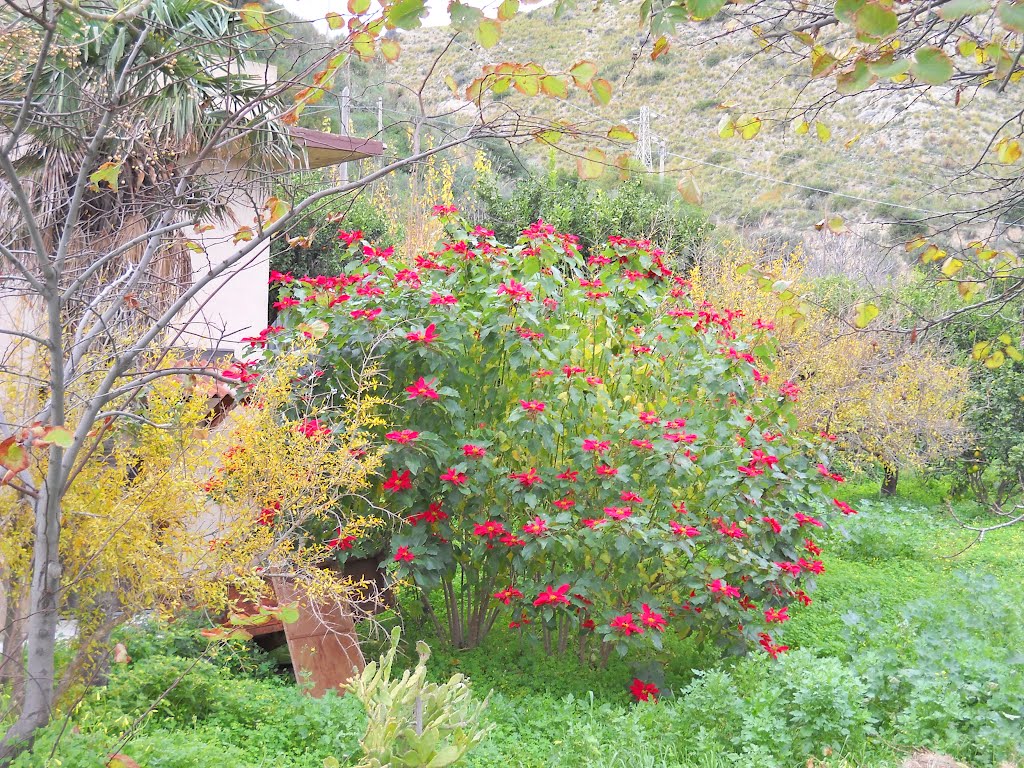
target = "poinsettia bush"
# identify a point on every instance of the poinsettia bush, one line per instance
(575, 447)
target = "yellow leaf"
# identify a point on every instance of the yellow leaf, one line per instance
(255, 18)
(951, 266)
(108, 174)
(995, 360)
(689, 190)
(866, 312)
(823, 131)
(748, 126)
(335, 20)
(275, 208)
(592, 164)
(390, 49)
(601, 91)
(1008, 150)
(660, 47)
(801, 127)
(243, 235)
(621, 133)
(726, 127)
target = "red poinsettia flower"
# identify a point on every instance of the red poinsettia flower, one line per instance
(773, 650)
(684, 530)
(824, 472)
(473, 451)
(341, 542)
(597, 446)
(803, 520)
(286, 302)
(625, 625)
(552, 596)
(650, 418)
(570, 475)
(492, 529)
(421, 388)
(773, 524)
(604, 469)
(403, 437)
(506, 595)
(454, 477)
(652, 619)
(732, 531)
(793, 569)
(814, 567)
(643, 445)
(618, 513)
(536, 527)
(811, 547)
(845, 508)
(594, 380)
(366, 314)
(528, 478)
(312, 428)
(776, 615)
(631, 497)
(565, 503)
(572, 370)
(515, 291)
(348, 238)
(439, 300)
(398, 482)
(643, 691)
(718, 586)
(432, 514)
(594, 522)
(426, 336)
(532, 406)
(404, 555)
(750, 471)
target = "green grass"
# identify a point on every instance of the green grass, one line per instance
(903, 647)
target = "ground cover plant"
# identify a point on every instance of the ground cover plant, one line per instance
(901, 648)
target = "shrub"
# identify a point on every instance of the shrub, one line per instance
(581, 449)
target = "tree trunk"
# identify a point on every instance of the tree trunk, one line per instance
(12, 637)
(44, 606)
(889, 480)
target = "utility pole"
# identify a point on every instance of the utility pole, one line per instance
(345, 108)
(662, 151)
(380, 117)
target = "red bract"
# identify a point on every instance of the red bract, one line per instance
(436, 299)
(571, 370)
(680, 437)
(454, 477)
(349, 238)
(286, 302)
(570, 475)
(506, 595)
(366, 314)
(341, 542)
(650, 418)
(773, 524)
(515, 291)
(432, 514)
(683, 530)
(536, 527)
(491, 529)
(426, 336)
(618, 513)
(403, 437)
(845, 508)
(528, 478)
(643, 445)
(312, 428)
(776, 615)
(565, 503)
(473, 451)
(824, 472)
(422, 389)
(532, 406)
(773, 650)
(803, 520)
(720, 587)
(643, 691)
(652, 619)
(597, 446)
(604, 469)
(625, 625)
(404, 555)
(398, 482)
(552, 596)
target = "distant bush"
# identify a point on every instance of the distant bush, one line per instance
(631, 209)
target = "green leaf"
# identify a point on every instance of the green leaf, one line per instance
(855, 80)
(108, 173)
(254, 17)
(446, 756)
(357, 7)
(601, 91)
(289, 614)
(875, 20)
(1012, 15)
(363, 45)
(958, 9)
(846, 10)
(701, 10)
(621, 133)
(889, 66)
(488, 33)
(60, 436)
(390, 49)
(404, 14)
(554, 86)
(335, 20)
(465, 17)
(331, 762)
(583, 73)
(865, 312)
(592, 164)
(508, 9)
(932, 65)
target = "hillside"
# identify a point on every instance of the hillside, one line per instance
(885, 161)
